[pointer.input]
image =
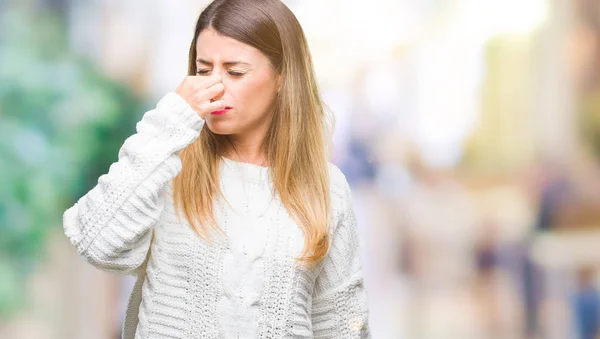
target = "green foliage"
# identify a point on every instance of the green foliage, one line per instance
(61, 125)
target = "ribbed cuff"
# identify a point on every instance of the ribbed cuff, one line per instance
(183, 115)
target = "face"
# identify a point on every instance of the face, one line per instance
(250, 83)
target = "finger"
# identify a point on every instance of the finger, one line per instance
(205, 82)
(212, 92)
(208, 107)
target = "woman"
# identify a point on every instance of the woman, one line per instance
(223, 204)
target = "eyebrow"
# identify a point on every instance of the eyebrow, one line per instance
(228, 63)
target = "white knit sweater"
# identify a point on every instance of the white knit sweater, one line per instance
(245, 285)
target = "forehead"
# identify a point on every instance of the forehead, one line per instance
(211, 45)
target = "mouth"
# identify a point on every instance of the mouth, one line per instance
(222, 111)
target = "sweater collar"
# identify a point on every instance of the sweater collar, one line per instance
(245, 171)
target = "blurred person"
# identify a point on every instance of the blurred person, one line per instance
(554, 188)
(550, 186)
(268, 246)
(441, 222)
(487, 280)
(358, 165)
(586, 305)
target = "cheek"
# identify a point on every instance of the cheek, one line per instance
(254, 95)
(240, 92)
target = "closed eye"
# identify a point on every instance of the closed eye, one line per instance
(232, 73)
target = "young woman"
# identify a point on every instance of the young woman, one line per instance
(223, 204)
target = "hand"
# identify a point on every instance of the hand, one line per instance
(200, 91)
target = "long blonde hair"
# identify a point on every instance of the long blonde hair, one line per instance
(297, 143)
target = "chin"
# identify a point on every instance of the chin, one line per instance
(220, 127)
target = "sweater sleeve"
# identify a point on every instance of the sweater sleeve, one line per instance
(111, 225)
(339, 308)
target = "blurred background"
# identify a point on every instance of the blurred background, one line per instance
(468, 129)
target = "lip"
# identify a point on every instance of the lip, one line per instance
(221, 112)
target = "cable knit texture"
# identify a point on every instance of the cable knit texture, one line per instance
(244, 285)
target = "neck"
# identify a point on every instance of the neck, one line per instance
(248, 145)
(247, 150)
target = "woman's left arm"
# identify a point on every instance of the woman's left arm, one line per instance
(339, 308)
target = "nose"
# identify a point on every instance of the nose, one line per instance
(220, 95)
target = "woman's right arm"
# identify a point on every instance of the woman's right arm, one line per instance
(111, 225)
